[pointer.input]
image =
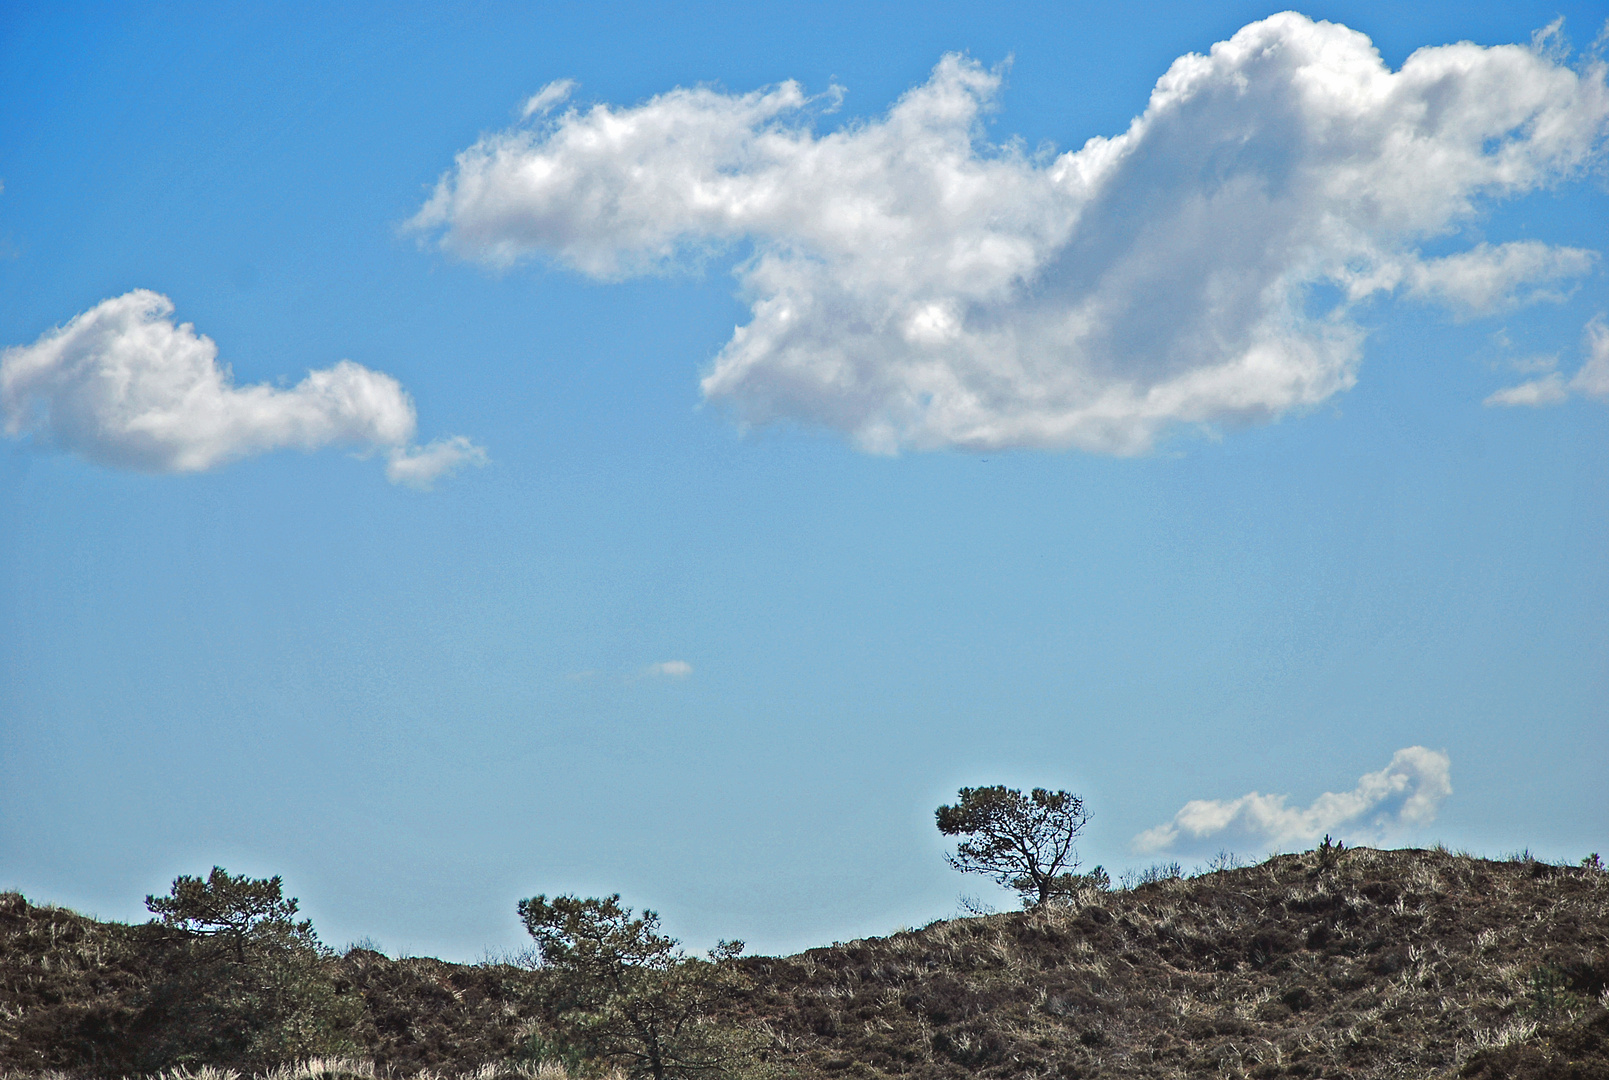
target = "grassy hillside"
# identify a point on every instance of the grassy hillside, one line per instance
(1387, 963)
(1369, 963)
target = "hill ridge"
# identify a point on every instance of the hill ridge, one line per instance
(1366, 963)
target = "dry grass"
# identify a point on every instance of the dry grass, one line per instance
(1385, 964)
(1372, 964)
(347, 1069)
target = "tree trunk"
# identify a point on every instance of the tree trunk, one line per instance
(656, 1063)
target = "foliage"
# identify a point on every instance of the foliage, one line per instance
(622, 993)
(1162, 871)
(264, 998)
(1024, 842)
(424, 1015)
(107, 998)
(1224, 860)
(1548, 995)
(238, 910)
(1388, 964)
(1068, 887)
(203, 1007)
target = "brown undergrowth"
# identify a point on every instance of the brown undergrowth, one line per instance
(1369, 964)
(85, 997)
(1361, 963)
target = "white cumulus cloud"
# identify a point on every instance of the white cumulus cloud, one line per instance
(674, 669)
(913, 285)
(1405, 794)
(1592, 380)
(123, 385)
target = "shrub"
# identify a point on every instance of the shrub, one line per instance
(264, 998)
(1224, 860)
(624, 994)
(1168, 871)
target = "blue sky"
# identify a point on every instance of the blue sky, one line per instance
(1258, 456)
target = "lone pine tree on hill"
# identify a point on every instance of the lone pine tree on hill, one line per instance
(1024, 842)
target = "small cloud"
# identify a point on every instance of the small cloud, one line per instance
(671, 669)
(125, 386)
(1406, 793)
(421, 466)
(1486, 278)
(1532, 365)
(544, 99)
(1591, 380)
(1538, 392)
(1550, 41)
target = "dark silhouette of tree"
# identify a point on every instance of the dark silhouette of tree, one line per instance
(624, 993)
(1024, 842)
(237, 910)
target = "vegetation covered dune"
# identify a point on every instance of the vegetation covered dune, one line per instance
(1330, 963)
(1363, 963)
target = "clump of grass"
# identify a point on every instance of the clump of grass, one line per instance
(1508, 1033)
(1224, 860)
(323, 1068)
(199, 1072)
(1130, 880)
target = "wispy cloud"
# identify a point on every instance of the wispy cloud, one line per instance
(544, 100)
(1548, 390)
(672, 669)
(123, 385)
(916, 286)
(1490, 278)
(1405, 794)
(421, 466)
(1591, 380)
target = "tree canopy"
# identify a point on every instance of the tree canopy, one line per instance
(242, 982)
(234, 908)
(1024, 842)
(624, 993)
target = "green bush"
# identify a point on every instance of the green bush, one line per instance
(623, 994)
(236, 981)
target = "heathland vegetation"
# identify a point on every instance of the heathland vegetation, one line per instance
(1336, 961)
